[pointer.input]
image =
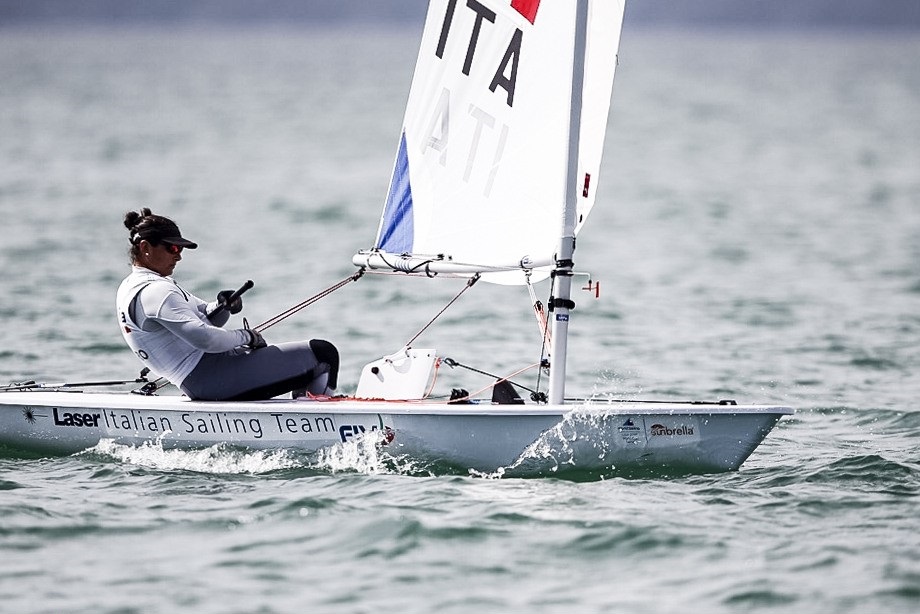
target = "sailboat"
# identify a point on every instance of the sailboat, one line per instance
(496, 172)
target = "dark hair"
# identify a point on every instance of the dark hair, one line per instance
(156, 229)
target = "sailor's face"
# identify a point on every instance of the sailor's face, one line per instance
(161, 258)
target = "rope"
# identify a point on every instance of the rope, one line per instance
(288, 313)
(543, 323)
(450, 362)
(434, 379)
(539, 312)
(547, 336)
(469, 284)
(507, 378)
(400, 267)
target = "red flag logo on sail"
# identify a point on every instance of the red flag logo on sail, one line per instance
(527, 8)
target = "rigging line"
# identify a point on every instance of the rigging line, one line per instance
(539, 311)
(543, 324)
(546, 337)
(423, 265)
(469, 284)
(450, 362)
(507, 378)
(437, 368)
(323, 294)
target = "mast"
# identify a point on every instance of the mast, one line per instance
(562, 303)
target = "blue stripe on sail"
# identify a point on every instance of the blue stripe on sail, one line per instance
(397, 230)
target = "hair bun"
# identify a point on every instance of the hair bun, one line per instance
(133, 218)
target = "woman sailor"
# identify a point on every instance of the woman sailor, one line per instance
(179, 336)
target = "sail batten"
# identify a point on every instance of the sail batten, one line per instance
(482, 171)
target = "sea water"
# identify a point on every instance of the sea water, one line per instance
(757, 237)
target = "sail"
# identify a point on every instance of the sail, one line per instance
(481, 170)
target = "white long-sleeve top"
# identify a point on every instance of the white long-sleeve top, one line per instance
(167, 326)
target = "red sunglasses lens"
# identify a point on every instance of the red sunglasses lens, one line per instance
(173, 249)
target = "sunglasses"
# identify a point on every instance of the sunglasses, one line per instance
(172, 249)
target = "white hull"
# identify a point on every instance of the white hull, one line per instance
(483, 437)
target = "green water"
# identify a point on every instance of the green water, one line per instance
(757, 237)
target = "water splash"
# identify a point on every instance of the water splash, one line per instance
(360, 455)
(217, 459)
(368, 455)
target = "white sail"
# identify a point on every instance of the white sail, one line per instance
(481, 171)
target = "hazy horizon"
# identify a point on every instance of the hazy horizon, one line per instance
(889, 14)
